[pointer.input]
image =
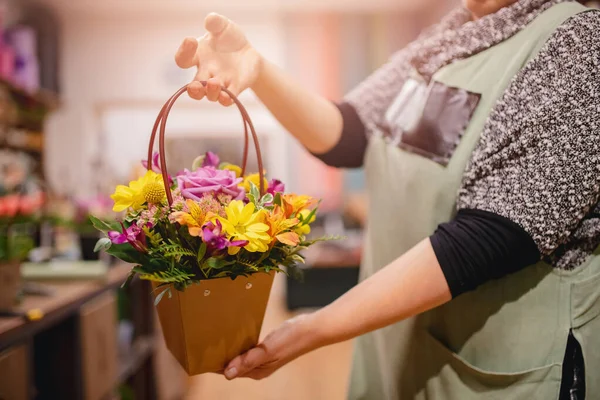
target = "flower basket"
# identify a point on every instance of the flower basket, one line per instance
(212, 238)
(10, 284)
(209, 324)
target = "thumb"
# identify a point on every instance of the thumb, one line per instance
(245, 363)
(215, 23)
(225, 34)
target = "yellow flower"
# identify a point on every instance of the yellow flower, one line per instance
(148, 189)
(279, 224)
(254, 178)
(304, 227)
(293, 203)
(243, 223)
(234, 168)
(194, 219)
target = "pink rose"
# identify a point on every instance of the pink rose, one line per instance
(194, 184)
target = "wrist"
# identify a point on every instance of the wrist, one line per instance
(317, 330)
(260, 66)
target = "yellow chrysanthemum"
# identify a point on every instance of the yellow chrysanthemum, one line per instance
(304, 227)
(243, 223)
(279, 226)
(254, 178)
(148, 189)
(194, 219)
(234, 168)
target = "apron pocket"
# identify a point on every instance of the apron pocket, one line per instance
(449, 376)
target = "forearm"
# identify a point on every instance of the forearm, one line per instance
(312, 119)
(410, 285)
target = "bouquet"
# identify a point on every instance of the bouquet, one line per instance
(211, 237)
(218, 225)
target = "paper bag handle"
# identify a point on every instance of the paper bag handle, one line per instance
(160, 125)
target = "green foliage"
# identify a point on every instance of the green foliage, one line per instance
(102, 244)
(254, 195)
(171, 276)
(169, 255)
(16, 241)
(105, 227)
(175, 251)
(161, 294)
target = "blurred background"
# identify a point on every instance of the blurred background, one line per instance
(80, 85)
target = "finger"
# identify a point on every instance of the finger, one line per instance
(213, 89)
(225, 99)
(259, 373)
(196, 90)
(215, 23)
(186, 54)
(242, 365)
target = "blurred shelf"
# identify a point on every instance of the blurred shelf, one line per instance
(42, 97)
(141, 350)
(68, 296)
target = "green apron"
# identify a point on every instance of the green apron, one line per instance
(507, 339)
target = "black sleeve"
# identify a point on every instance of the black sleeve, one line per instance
(477, 246)
(350, 149)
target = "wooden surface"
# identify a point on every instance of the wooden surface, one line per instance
(321, 375)
(67, 295)
(14, 379)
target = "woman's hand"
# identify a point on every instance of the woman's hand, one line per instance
(292, 339)
(223, 56)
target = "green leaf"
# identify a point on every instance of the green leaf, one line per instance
(267, 198)
(254, 192)
(102, 244)
(105, 226)
(160, 296)
(174, 276)
(129, 278)
(198, 161)
(201, 252)
(277, 199)
(217, 263)
(222, 274)
(127, 253)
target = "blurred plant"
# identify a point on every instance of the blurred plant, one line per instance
(21, 202)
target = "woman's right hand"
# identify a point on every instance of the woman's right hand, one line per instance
(223, 56)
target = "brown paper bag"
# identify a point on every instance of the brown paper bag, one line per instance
(209, 324)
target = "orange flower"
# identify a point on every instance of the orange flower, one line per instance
(279, 224)
(292, 203)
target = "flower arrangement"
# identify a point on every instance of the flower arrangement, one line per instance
(21, 202)
(218, 224)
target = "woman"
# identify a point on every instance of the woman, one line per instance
(480, 143)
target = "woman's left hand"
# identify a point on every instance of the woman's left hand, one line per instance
(292, 339)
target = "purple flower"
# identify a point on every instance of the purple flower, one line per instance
(193, 184)
(155, 163)
(211, 160)
(212, 234)
(134, 235)
(276, 186)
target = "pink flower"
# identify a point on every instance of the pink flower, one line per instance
(193, 184)
(155, 163)
(31, 203)
(9, 205)
(16, 204)
(214, 237)
(134, 235)
(276, 186)
(211, 160)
